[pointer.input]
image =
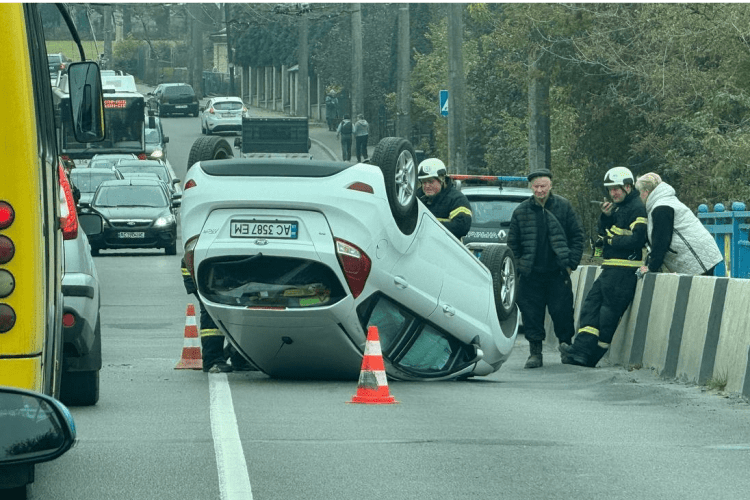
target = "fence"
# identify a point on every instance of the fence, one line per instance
(730, 230)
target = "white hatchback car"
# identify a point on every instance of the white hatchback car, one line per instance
(295, 259)
(222, 114)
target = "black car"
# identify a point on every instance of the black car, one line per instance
(88, 179)
(156, 141)
(174, 98)
(136, 213)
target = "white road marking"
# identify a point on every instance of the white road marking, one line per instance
(234, 481)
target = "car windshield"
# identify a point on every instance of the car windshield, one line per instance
(492, 211)
(228, 106)
(54, 59)
(159, 170)
(130, 196)
(178, 90)
(87, 181)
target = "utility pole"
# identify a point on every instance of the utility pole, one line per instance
(457, 91)
(302, 75)
(195, 10)
(403, 107)
(358, 100)
(540, 152)
(108, 32)
(230, 62)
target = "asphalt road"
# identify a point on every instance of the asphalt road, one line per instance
(559, 432)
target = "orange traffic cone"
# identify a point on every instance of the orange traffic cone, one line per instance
(191, 351)
(373, 385)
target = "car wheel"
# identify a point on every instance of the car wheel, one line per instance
(499, 260)
(171, 249)
(209, 148)
(396, 158)
(80, 388)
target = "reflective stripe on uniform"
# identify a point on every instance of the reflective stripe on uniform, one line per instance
(619, 231)
(185, 272)
(590, 330)
(211, 332)
(639, 220)
(460, 210)
(622, 263)
(603, 345)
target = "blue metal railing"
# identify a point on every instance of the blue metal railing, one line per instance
(730, 230)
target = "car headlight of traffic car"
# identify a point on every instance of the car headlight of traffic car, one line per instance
(167, 220)
(157, 153)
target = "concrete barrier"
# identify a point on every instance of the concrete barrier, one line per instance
(693, 328)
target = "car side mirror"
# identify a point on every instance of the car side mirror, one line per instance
(166, 139)
(91, 223)
(86, 101)
(175, 181)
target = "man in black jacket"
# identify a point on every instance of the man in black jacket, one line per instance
(447, 204)
(546, 237)
(622, 229)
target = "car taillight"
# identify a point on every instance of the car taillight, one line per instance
(68, 320)
(142, 156)
(189, 256)
(361, 186)
(356, 265)
(7, 280)
(68, 216)
(189, 184)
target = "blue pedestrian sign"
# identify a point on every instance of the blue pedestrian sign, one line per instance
(444, 102)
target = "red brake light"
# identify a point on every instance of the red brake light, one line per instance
(189, 184)
(7, 318)
(7, 249)
(7, 215)
(68, 320)
(356, 265)
(361, 186)
(68, 216)
(142, 156)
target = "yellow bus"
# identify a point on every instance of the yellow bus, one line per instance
(31, 257)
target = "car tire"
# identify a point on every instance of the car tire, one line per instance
(80, 388)
(209, 148)
(499, 260)
(171, 249)
(397, 160)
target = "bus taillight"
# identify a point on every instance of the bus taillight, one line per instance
(68, 320)
(7, 215)
(7, 249)
(7, 318)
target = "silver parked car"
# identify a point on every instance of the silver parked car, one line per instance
(295, 259)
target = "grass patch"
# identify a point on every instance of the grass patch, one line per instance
(70, 49)
(718, 382)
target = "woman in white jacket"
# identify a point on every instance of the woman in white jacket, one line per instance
(679, 242)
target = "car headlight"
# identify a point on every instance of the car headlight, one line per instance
(164, 221)
(157, 153)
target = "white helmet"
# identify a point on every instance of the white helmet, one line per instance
(618, 176)
(431, 167)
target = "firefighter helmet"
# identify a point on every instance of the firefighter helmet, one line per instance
(618, 176)
(431, 167)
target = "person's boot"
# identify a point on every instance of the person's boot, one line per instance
(535, 357)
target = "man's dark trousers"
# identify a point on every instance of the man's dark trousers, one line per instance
(346, 147)
(538, 292)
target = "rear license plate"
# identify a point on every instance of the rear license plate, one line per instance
(131, 235)
(183, 106)
(264, 229)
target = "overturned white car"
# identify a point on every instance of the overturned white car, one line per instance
(294, 259)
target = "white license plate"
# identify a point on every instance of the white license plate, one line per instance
(264, 229)
(131, 235)
(181, 107)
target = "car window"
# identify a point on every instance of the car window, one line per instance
(178, 90)
(430, 352)
(87, 181)
(492, 211)
(152, 136)
(130, 196)
(227, 106)
(159, 170)
(390, 321)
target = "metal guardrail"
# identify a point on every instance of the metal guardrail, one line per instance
(730, 230)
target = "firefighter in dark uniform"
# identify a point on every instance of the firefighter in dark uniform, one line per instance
(212, 339)
(440, 196)
(622, 231)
